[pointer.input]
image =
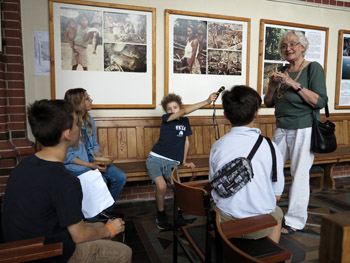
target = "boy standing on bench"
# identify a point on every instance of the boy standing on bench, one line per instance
(42, 198)
(171, 149)
(259, 196)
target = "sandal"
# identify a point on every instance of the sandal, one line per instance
(289, 229)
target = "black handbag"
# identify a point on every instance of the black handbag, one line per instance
(323, 139)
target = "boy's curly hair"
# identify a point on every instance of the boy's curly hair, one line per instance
(171, 97)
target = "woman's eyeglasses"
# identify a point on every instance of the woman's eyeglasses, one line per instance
(292, 45)
(88, 98)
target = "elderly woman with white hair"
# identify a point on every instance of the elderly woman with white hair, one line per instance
(296, 91)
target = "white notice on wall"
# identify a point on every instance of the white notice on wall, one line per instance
(41, 52)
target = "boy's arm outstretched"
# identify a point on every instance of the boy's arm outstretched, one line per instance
(193, 107)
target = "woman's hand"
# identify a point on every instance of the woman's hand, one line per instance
(274, 77)
(285, 79)
(97, 165)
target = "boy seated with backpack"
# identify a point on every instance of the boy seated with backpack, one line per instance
(244, 188)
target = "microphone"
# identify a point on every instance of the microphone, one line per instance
(222, 88)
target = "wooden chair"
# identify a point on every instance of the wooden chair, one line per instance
(231, 249)
(27, 250)
(192, 199)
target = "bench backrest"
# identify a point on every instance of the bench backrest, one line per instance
(130, 139)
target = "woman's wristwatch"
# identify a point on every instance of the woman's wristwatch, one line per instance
(299, 89)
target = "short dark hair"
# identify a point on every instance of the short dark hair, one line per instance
(49, 118)
(240, 104)
(171, 97)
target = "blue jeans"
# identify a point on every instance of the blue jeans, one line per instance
(115, 179)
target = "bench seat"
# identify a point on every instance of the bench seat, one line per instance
(137, 171)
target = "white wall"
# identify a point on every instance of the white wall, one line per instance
(35, 17)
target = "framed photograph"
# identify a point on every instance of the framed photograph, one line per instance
(269, 57)
(204, 52)
(105, 48)
(342, 96)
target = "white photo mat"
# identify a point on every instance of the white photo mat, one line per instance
(110, 87)
(195, 87)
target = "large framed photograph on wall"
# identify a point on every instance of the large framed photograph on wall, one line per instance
(269, 57)
(204, 52)
(105, 48)
(342, 98)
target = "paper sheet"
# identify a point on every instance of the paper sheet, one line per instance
(96, 196)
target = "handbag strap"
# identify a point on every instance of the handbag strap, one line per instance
(308, 79)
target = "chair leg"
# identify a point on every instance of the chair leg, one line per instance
(175, 230)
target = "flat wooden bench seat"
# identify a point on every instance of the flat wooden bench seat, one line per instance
(137, 171)
(28, 250)
(130, 139)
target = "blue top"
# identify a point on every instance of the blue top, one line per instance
(81, 152)
(172, 138)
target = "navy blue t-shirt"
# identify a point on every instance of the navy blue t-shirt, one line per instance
(172, 138)
(42, 198)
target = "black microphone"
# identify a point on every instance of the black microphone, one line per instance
(222, 88)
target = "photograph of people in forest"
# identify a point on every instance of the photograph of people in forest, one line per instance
(190, 46)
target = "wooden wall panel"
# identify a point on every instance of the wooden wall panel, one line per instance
(102, 139)
(148, 140)
(198, 140)
(192, 148)
(346, 132)
(269, 130)
(130, 139)
(113, 142)
(339, 132)
(122, 147)
(131, 142)
(140, 143)
(206, 139)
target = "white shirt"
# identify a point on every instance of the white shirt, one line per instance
(258, 196)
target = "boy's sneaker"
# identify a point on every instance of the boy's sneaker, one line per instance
(162, 221)
(180, 219)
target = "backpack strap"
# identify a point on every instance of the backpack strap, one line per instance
(273, 154)
(255, 147)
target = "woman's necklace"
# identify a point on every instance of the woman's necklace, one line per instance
(282, 88)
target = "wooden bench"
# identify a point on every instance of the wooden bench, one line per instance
(130, 140)
(28, 250)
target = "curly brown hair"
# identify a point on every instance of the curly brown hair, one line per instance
(171, 97)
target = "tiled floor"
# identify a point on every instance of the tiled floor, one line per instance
(151, 245)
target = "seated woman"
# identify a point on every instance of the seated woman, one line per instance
(79, 159)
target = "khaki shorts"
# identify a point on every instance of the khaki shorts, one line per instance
(277, 214)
